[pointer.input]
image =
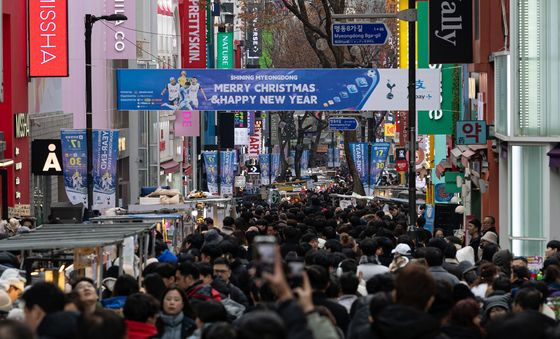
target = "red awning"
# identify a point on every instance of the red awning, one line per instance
(170, 166)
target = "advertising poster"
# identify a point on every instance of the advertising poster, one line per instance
(211, 165)
(74, 164)
(275, 165)
(304, 162)
(264, 163)
(105, 153)
(359, 151)
(333, 155)
(225, 50)
(379, 154)
(193, 34)
(187, 123)
(255, 139)
(275, 89)
(227, 169)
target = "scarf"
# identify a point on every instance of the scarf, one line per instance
(172, 325)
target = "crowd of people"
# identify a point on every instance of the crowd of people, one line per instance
(325, 273)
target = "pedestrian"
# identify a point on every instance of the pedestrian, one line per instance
(175, 320)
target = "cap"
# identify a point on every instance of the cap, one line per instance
(402, 249)
(172, 78)
(490, 237)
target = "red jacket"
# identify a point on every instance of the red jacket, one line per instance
(138, 330)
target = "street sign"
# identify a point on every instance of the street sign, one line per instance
(471, 132)
(343, 124)
(344, 34)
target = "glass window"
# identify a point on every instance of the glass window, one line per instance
(538, 38)
(501, 65)
(527, 168)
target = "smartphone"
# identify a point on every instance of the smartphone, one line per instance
(265, 253)
(296, 267)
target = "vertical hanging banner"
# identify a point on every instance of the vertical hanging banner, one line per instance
(359, 152)
(105, 153)
(119, 37)
(451, 39)
(333, 157)
(264, 164)
(275, 165)
(224, 59)
(48, 38)
(211, 165)
(192, 14)
(187, 123)
(379, 154)
(74, 164)
(304, 162)
(253, 37)
(227, 168)
(255, 140)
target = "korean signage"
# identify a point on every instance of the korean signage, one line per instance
(471, 132)
(187, 123)
(450, 33)
(48, 38)
(193, 33)
(46, 157)
(279, 89)
(225, 50)
(119, 38)
(343, 124)
(254, 38)
(346, 34)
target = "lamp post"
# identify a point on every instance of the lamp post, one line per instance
(89, 21)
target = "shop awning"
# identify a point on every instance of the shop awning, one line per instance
(170, 166)
(554, 157)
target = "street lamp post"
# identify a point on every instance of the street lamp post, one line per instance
(89, 21)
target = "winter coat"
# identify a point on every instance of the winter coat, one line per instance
(202, 292)
(321, 327)
(295, 321)
(338, 311)
(176, 326)
(50, 327)
(138, 330)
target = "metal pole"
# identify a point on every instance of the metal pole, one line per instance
(333, 142)
(89, 20)
(412, 117)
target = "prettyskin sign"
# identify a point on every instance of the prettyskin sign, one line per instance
(275, 89)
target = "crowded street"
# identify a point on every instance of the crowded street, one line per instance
(279, 169)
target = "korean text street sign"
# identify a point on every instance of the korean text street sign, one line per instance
(359, 34)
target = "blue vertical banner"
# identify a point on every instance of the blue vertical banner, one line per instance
(105, 153)
(211, 165)
(209, 126)
(379, 154)
(333, 157)
(264, 163)
(74, 163)
(251, 122)
(227, 169)
(430, 215)
(275, 165)
(304, 162)
(359, 151)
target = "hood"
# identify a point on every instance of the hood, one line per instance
(51, 328)
(138, 330)
(403, 322)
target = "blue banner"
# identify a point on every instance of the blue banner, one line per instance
(209, 126)
(227, 169)
(105, 153)
(333, 156)
(379, 154)
(264, 163)
(275, 165)
(304, 162)
(275, 89)
(74, 164)
(359, 151)
(211, 165)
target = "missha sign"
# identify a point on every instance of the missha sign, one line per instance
(193, 33)
(451, 38)
(120, 35)
(48, 38)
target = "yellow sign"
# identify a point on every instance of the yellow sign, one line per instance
(390, 130)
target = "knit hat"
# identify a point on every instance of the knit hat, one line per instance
(5, 302)
(496, 301)
(11, 277)
(212, 237)
(168, 257)
(490, 237)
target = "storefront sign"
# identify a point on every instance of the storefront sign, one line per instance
(119, 38)
(46, 157)
(280, 89)
(48, 38)
(401, 164)
(19, 210)
(192, 15)
(21, 125)
(254, 38)
(240, 119)
(255, 142)
(471, 132)
(379, 154)
(225, 50)
(187, 123)
(451, 40)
